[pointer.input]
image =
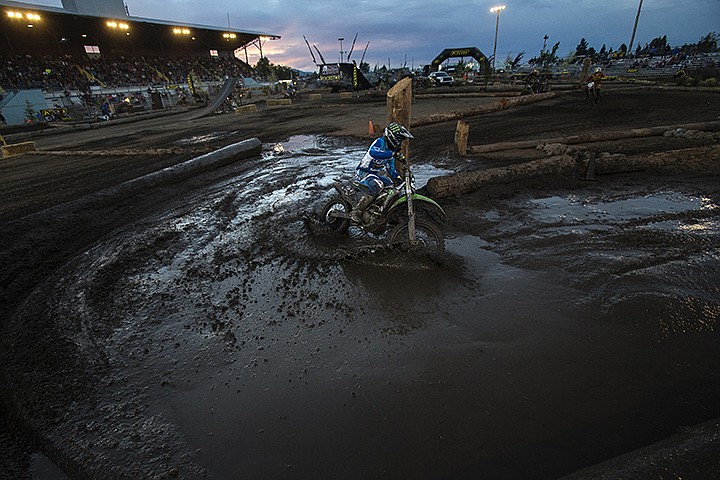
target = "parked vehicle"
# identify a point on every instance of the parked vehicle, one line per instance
(441, 78)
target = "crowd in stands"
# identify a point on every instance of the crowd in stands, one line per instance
(54, 73)
(679, 60)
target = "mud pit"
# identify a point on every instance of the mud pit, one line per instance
(203, 330)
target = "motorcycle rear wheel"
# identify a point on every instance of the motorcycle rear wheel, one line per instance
(336, 224)
(428, 234)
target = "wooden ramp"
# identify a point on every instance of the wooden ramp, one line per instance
(224, 93)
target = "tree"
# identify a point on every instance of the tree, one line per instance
(708, 43)
(282, 72)
(364, 67)
(263, 67)
(582, 48)
(512, 63)
(546, 58)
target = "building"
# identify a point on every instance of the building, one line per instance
(104, 27)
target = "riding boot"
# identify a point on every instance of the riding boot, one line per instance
(356, 214)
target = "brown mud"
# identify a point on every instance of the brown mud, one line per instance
(199, 329)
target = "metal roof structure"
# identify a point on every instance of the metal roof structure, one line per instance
(39, 29)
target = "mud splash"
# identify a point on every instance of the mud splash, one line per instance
(558, 330)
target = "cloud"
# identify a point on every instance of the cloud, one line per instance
(420, 29)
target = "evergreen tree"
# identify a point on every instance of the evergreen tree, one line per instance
(582, 48)
(708, 43)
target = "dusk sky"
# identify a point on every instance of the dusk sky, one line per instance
(420, 29)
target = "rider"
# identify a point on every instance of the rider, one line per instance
(598, 76)
(380, 158)
(533, 80)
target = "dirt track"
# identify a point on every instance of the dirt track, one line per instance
(120, 320)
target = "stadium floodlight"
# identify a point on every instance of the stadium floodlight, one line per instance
(496, 10)
(118, 25)
(181, 31)
(30, 16)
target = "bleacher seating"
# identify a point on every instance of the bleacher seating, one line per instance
(57, 74)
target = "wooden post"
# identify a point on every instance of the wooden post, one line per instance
(585, 72)
(461, 137)
(399, 107)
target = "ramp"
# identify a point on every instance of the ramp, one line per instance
(343, 76)
(225, 91)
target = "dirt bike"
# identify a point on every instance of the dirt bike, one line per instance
(292, 94)
(591, 90)
(537, 85)
(388, 214)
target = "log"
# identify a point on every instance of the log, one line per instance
(467, 95)
(585, 73)
(701, 159)
(399, 106)
(594, 137)
(503, 104)
(461, 137)
(399, 102)
(457, 184)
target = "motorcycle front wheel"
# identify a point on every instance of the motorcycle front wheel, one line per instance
(428, 235)
(336, 224)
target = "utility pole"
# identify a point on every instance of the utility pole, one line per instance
(632, 38)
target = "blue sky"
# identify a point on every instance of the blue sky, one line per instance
(420, 29)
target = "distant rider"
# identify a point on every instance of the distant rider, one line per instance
(597, 77)
(534, 81)
(377, 170)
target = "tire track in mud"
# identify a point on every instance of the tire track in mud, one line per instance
(225, 271)
(213, 327)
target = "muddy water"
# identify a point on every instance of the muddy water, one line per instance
(558, 329)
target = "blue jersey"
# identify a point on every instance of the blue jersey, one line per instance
(379, 157)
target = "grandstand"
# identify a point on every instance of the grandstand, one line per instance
(95, 49)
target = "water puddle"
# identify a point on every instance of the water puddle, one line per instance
(582, 209)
